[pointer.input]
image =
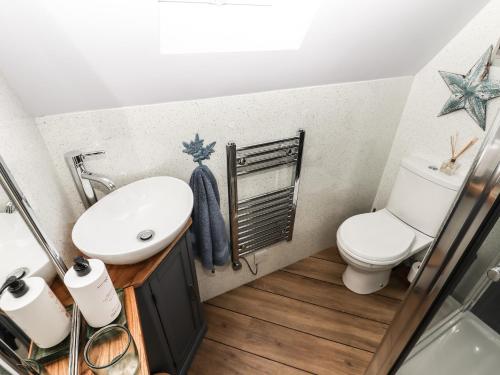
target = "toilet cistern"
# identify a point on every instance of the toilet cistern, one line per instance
(374, 243)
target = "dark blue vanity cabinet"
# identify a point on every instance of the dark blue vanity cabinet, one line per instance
(171, 313)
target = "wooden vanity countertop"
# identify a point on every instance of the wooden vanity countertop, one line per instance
(60, 367)
(126, 277)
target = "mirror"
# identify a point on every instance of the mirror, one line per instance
(29, 263)
(20, 256)
(30, 234)
(16, 239)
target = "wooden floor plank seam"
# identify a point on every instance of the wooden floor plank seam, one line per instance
(329, 282)
(288, 327)
(352, 330)
(257, 355)
(281, 344)
(331, 254)
(332, 272)
(295, 321)
(315, 304)
(326, 307)
(326, 260)
(312, 304)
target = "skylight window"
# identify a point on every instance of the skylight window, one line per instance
(190, 26)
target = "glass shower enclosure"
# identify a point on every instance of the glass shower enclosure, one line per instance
(449, 322)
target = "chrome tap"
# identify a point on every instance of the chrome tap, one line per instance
(100, 179)
(83, 178)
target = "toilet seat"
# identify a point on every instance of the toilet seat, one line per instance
(378, 238)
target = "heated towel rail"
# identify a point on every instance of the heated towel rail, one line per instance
(267, 218)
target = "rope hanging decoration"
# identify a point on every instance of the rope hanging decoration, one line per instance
(196, 149)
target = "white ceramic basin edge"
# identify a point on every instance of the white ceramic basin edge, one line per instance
(110, 229)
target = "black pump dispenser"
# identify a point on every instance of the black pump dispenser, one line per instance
(16, 286)
(82, 266)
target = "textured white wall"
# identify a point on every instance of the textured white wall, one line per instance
(420, 130)
(349, 129)
(26, 155)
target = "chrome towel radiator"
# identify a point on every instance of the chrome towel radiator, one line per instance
(267, 218)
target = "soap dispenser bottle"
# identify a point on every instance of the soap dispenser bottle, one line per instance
(32, 305)
(91, 287)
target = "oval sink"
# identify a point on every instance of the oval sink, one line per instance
(20, 250)
(134, 222)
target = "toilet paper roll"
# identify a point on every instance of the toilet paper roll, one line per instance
(413, 271)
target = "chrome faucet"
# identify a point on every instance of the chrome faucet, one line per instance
(99, 178)
(83, 178)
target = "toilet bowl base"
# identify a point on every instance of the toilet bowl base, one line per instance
(365, 282)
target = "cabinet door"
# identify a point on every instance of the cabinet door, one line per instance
(174, 291)
(157, 348)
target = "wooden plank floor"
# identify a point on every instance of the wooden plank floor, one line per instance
(299, 320)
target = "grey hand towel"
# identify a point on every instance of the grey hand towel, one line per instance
(210, 241)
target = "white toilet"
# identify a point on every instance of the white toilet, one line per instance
(374, 243)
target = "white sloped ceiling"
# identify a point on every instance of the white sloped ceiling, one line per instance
(66, 55)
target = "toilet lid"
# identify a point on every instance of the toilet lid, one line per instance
(379, 237)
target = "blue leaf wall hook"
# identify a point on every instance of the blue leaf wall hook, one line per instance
(196, 149)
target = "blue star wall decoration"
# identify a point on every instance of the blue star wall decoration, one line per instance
(472, 91)
(196, 149)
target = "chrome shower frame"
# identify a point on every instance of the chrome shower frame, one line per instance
(466, 218)
(26, 211)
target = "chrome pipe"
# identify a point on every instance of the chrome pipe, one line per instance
(242, 217)
(249, 163)
(287, 190)
(267, 151)
(26, 211)
(270, 235)
(296, 182)
(263, 242)
(262, 230)
(261, 218)
(74, 344)
(232, 187)
(257, 246)
(263, 223)
(270, 143)
(265, 205)
(265, 168)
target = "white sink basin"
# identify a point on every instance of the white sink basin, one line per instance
(110, 229)
(19, 249)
